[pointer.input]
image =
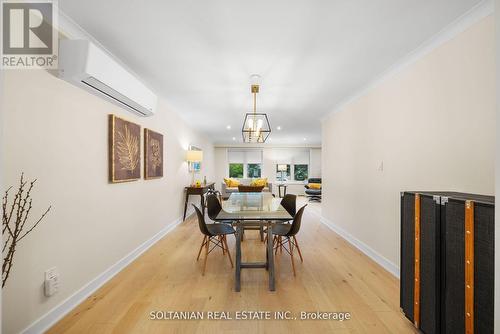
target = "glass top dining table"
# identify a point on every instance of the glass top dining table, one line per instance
(251, 209)
(253, 206)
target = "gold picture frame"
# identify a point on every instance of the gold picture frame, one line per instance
(124, 146)
(153, 154)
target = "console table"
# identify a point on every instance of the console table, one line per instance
(191, 190)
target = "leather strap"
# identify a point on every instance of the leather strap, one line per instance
(416, 295)
(469, 267)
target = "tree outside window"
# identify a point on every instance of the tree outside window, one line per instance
(253, 170)
(300, 172)
(236, 170)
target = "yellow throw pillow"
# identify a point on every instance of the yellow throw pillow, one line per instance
(231, 183)
(315, 185)
(259, 182)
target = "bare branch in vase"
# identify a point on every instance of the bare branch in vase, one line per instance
(14, 220)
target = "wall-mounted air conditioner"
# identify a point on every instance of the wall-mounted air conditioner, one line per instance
(86, 65)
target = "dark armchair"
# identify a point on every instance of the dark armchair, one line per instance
(312, 192)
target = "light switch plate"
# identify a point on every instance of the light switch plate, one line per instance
(381, 166)
(50, 273)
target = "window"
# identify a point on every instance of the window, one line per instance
(300, 172)
(286, 174)
(253, 170)
(244, 163)
(236, 170)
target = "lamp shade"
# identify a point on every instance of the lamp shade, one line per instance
(282, 168)
(194, 156)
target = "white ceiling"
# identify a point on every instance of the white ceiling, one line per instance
(311, 54)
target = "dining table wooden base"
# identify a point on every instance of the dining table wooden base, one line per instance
(268, 264)
(254, 210)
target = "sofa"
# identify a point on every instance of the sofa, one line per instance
(226, 191)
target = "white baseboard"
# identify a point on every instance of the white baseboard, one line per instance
(50, 318)
(367, 250)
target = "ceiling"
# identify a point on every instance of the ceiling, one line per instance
(311, 55)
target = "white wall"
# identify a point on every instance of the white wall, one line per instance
(220, 165)
(315, 166)
(431, 124)
(58, 133)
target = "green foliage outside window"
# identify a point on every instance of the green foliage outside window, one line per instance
(236, 170)
(253, 170)
(300, 172)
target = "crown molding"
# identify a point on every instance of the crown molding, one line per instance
(462, 23)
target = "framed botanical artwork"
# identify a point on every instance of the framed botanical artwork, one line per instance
(124, 150)
(153, 154)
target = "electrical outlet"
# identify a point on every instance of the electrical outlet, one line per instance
(51, 283)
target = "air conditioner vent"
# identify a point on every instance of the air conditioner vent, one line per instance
(87, 66)
(113, 94)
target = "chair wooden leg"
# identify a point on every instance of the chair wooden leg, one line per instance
(206, 256)
(281, 244)
(221, 238)
(278, 244)
(227, 250)
(290, 245)
(261, 232)
(222, 242)
(298, 248)
(201, 247)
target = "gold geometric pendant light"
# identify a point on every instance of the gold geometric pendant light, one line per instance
(256, 127)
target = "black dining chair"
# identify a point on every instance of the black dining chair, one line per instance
(289, 203)
(214, 207)
(214, 234)
(214, 192)
(285, 236)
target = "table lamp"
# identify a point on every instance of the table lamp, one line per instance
(193, 156)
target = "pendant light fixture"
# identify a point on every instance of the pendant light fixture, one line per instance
(256, 127)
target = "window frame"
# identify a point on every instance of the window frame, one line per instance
(245, 163)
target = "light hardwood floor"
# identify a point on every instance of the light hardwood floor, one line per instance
(334, 277)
